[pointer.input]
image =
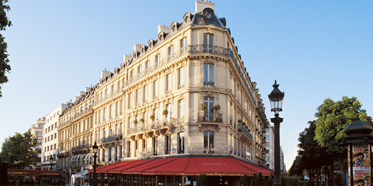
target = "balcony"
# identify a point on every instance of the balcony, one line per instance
(155, 127)
(106, 97)
(211, 83)
(80, 149)
(209, 49)
(112, 138)
(209, 117)
(246, 132)
(74, 116)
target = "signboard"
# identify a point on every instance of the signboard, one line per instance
(361, 164)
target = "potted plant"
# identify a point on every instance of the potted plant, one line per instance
(216, 107)
(152, 117)
(135, 122)
(165, 112)
(203, 107)
(142, 120)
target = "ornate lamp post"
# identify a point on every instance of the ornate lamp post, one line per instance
(276, 97)
(51, 160)
(95, 148)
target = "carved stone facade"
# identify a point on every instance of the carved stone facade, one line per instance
(151, 105)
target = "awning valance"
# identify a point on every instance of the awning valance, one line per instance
(187, 166)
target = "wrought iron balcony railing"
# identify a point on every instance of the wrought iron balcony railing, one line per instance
(112, 138)
(209, 117)
(80, 147)
(246, 131)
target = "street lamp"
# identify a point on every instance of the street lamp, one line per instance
(51, 160)
(276, 97)
(95, 148)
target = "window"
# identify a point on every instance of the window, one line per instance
(157, 60)
(156, 114)
(267, 130)
(180, 142)
(40, 125)
(155, 88)
(181, 77)
(131, 73)
(51, 127)
(168, 82)
(170, 52)
(48, 138)
(45, 140)
(51, 137)
(38, 142)
(144, 144)
(48, 148)
(138, 96)
(168, 144)
(154, 144)
(146, 65)
(181, 108)
(208, 42)
(54, 146)
(208, 74)
(45, 131)
(38, 133)
(208, 139)
(169, 112)
(209, 101)
(139, 69)
(267, 144)
(146, 93)
(183, 44)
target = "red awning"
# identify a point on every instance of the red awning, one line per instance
(149, 165)
(132, 164)
(188, 166)
(104, 169)
(24, 172)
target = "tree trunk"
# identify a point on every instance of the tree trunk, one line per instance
(332, 174)
(343, 172)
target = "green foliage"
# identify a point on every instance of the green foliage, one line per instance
(296, 167)
(18, 150)
(332, 118)
(270, 181)
(165, 112)
(244, 180)
(254, 180)
(260, 179)
(4, 61)
(203, 107)
(202, 180)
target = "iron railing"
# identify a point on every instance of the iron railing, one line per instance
(112, 138)
(205, 116)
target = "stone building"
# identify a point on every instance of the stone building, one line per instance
(270, 147)
(37, 131)
(185, 92)
(50, 138)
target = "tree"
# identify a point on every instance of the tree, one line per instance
(4, 61)
(332, 119)
(18, 150)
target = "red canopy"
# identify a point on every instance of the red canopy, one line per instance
(188, 166)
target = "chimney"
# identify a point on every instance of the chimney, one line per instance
(126, 58)
(200, 5)
(104, 73)
(76, 98)
(136, 48)
(162, 28)
(87, 89)
(81, 93)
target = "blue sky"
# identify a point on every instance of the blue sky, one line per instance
(315, 50)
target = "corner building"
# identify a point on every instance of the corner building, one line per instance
(151, 106)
